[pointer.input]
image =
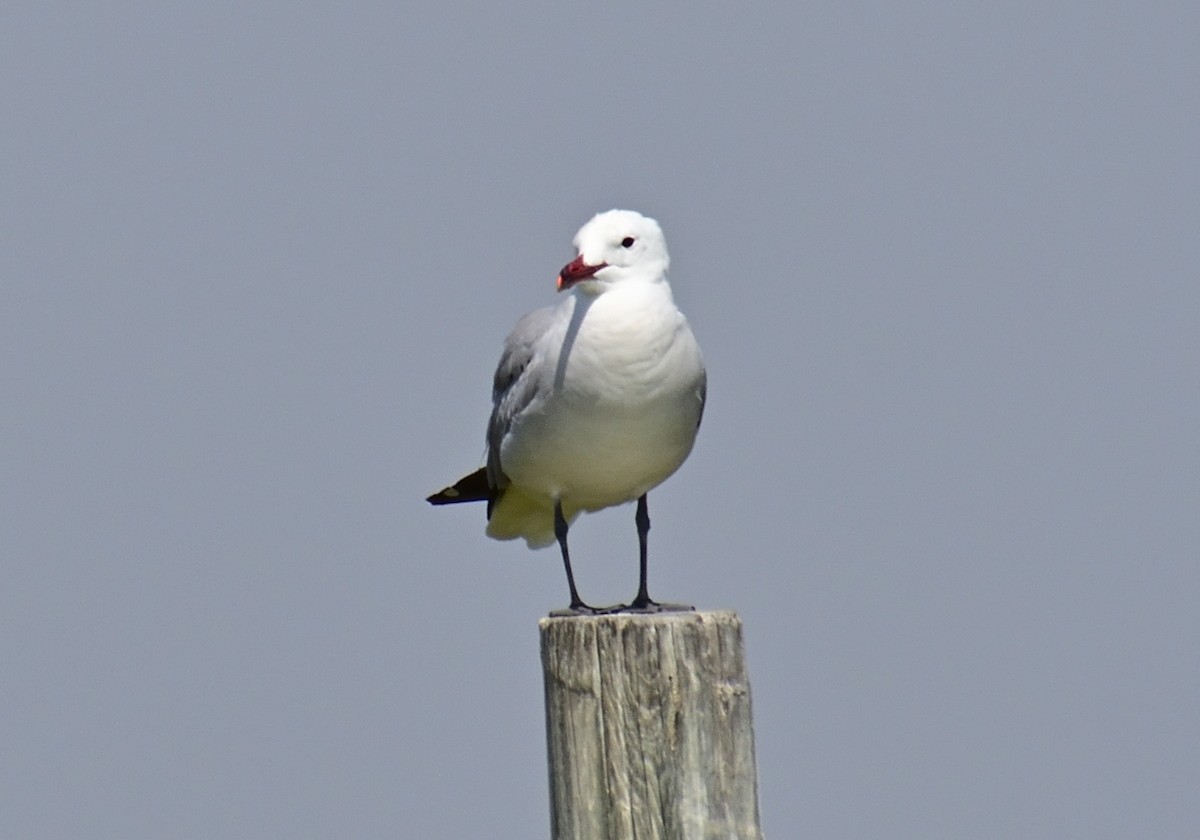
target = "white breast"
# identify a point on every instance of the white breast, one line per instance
(622, 413)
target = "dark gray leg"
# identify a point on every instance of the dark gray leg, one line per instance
(642, 518)
(560, 533)
(643, 602)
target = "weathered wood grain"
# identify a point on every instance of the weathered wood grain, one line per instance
(648, 727)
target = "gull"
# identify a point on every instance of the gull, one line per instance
(596, 400)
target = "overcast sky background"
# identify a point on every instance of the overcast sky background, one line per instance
(257, 263)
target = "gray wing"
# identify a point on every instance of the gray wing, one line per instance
(515, 385)
(702, 393)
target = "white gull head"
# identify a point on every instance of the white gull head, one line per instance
(616, 245)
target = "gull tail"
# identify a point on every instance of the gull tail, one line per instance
(521, 515)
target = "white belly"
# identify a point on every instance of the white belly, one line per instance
(595, 458)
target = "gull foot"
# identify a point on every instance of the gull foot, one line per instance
(649, 607)
(581, 609)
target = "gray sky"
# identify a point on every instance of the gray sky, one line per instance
(257, 264)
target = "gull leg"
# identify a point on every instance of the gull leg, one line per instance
(643, 602)
(642, 518)
(560, 533)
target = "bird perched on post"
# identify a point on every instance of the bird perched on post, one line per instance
(596, 400)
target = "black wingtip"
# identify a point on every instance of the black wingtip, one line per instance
(471, 488)
(448, 496)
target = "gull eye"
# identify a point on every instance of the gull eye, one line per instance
(627, 242)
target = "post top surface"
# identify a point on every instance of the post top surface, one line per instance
(625, 619)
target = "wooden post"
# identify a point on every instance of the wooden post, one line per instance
(648, 728)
